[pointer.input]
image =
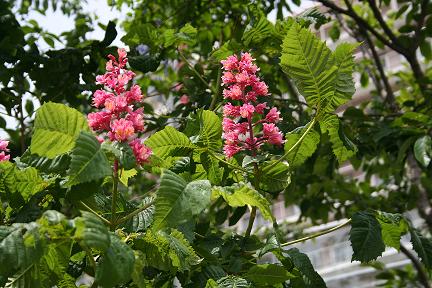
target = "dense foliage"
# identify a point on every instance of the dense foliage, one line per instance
(82, 194)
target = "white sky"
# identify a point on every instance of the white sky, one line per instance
(56, 23)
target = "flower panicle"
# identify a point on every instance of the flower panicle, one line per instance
(118, 116)
(243, 90)
(4, 150)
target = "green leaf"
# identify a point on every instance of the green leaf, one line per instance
(423, 150)
(110, 34)
(303, 150)
(125, 175)
(232, 282)
(181, 253)
(58, 164)
(365, 237)
(169, 142)
(142, 220)
(27, 182)
(211, 166)
(210, 134)
(20, 248)
(344, 85)
(116, 264)
(92, 231)
(393, 226)
(310, 63)
(302, 262)
(241, 194)
(145, 63)
(423, 247)
(343, 149)
(187, 34)
(177, 201)
(268, 274)
(56, 129)
(274, 177)
(88, 161)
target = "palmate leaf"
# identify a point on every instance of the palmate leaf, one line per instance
(268, 274)
(342, 147)
(311, 64)
(423, 247)
(88, 161)
(242, 194)
(169, 142)
(177, 201)
(365, 237)
(116, 264)
(304, 149)
(304, 265)
(56, 129)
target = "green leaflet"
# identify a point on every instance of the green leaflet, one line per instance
(125, 175)
(423, 150)
(304, 265)
(423, 247)
(92, 231)
(393, 226)
(88, 161)
(177, 201)
(169, 142)
(56, 129)
(116, 264)
(274, 177)
(244, 194)
(323, 77)
(342, 147)
(268, 274)
(365, 237)
(210, 133)
(168, 251)
(230, 281)
(303, 150)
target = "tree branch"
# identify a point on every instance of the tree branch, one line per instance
(378, 15)
(423, 278)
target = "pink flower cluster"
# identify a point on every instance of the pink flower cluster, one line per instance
(118, 116)
(242, 120)
(4, 149)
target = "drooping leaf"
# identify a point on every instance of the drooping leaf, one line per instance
(110, 34)
(393, 226)
(268, 274)
(56, 129)
(88, 161)
(343, 149)
(92, 231)
(365, 237)
(302, 151)
(302, 262)
(242, 194)
(177, 201)
(58, 164)
(125, 175)
(116, 264)
(169, 142)
(423, 247)
(423, 150)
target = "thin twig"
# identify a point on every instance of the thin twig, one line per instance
(317, 234)
(95, 213)
(135, 212)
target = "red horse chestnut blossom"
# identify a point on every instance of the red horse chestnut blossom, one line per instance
(4, 149)
(119, 118)
(245, 115)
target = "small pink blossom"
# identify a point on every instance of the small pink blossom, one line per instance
(100, 96)
(228, 78)
(260, 88)
(142, 153)
(4, 157)
(231, 150)
(134, 94)
(261, 107)
(116, 104)
(272, 133)
(99, 120)
(122, 129)
(247, 110)
(231, 110)
(184, 99)
(273, 116)
(230, 63)
(137, 119)
(3, 145)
